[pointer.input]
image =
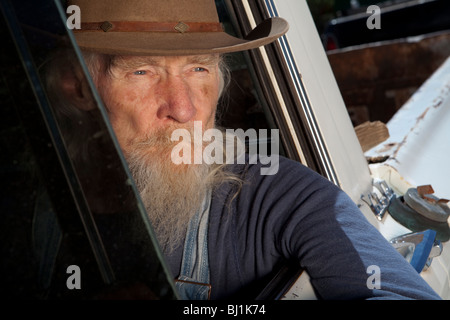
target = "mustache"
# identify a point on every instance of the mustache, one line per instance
(159, 143)
(163, 135)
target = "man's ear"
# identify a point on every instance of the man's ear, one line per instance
(75, 87)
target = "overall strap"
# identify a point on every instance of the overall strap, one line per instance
(193, 282)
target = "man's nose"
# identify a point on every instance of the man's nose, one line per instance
(176, 100)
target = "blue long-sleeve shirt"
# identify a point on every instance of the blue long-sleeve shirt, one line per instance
(297, 215)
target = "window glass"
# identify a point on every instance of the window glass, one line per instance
(243, 105)
(70, 214)
(281, 95)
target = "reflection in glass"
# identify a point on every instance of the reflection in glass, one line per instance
(83, 207)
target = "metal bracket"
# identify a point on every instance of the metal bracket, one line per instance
(380, 198)
(408, 244)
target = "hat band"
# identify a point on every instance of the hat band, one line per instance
(145, 26)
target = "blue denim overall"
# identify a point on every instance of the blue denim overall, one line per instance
(193, 282)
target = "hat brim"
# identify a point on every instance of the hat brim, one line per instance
(168, 43)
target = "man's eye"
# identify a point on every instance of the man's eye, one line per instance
(200, 69)
(140, 72)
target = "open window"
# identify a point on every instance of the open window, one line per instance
(293, 86)
(267, 90)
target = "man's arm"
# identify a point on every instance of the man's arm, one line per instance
(311, 220)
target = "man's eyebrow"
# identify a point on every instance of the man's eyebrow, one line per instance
(131, 64)
(211, 59)
(123, 63)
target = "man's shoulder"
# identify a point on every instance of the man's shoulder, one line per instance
(280, 170)
(292, 180)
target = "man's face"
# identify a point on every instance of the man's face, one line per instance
(144, 95)
(147, 98)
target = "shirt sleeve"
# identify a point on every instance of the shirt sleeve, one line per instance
(298, 215)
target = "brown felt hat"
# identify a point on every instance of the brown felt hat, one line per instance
(163, 27)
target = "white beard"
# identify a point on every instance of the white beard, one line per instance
(171, 193)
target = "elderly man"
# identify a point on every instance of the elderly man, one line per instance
(224, 229)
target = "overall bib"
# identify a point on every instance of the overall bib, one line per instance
(193, 282)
